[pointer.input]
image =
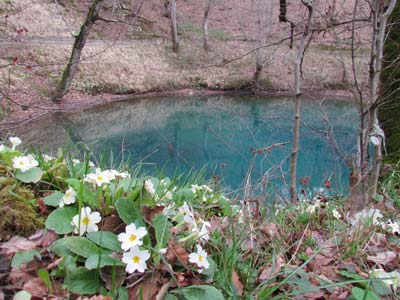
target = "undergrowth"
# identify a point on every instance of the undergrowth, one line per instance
(118, 234)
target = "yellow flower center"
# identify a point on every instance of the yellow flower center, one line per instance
(85, 221)
(132, 238)
(21, 163)
(136, 259)
(100, 178)
(200, 258)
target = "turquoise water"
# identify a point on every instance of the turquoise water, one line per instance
(176, 135)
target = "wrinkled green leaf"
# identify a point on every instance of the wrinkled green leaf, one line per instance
(360, 294)
(83, 281)
(45, 277)
(199, 292)
(81, 246)
(24, 257)
(53, 199)
(98, 261)
(31, 176)
(105, 239)
(161, 227)
(60, 219)
(123, 294)
(129, 212)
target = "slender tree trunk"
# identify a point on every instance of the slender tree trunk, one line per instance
(174, 27)
(380, 22)
(166, 8)
(297, 100)
(80, 41)
(207, 8)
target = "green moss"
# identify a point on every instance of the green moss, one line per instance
(18, 216)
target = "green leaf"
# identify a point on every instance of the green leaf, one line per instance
(199, 292)
(105, 239)
(123, 294)
(128, 183)
(88, 196)
(129, 212)
(84, 281)
(101, 260)
(53, 199)
(59, 248)
(7, 156)
(81, 246)
(60, 219)
(360, 294)
(24, 257)
(32, 175)
(22, 295)
(161, 227)
(170, 297)
(45, 276)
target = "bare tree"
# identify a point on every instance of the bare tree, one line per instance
(207, 8)
(365, 174)
(80, 41)
(174, 27)
(297, 100)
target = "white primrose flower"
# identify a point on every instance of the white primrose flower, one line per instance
(99, 178)
(48, 158)
(187, 213)
(15, 141)
(149, 187)
(135, 259)
(168, 195)
(311, 208)
(207, 188)
(365, 215)
(86, 221)
(76, 161)
(195, 188)
(24, 163)
(336, 214)
(132, 236)
(199, 258)
(393, 227)
(2, 148)
(68, 198)
(120, 174)
(91, 164)
(203, 233)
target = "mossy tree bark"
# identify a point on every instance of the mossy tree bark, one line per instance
(69, 72)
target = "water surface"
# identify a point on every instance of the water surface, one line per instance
(220, 133)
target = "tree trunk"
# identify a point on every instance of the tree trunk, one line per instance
(380, 21)
(297, 100)
(174, 27)
(207, 8)
(70, 70)
(166, 9)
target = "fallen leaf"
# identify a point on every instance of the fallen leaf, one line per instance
(163, 290)
(16, 244)
(271, 270)
(149, 289)
(49, 238)
(36, 287)
(270, 230)
(383, 258)
(149, 213)
(19, 276)
(101, 297)
(114, 224)
(177, 251)
(113, 276)
(236, 282)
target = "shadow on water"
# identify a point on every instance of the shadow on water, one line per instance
(230, 136)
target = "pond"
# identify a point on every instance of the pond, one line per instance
(233, 139)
